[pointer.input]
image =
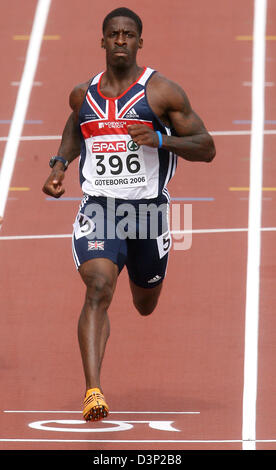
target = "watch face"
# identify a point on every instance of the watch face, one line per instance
(52, 162)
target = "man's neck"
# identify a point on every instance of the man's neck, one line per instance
(116, 80)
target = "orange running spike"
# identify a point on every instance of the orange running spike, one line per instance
(94, 406)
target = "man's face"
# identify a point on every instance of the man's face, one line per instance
(121, 41)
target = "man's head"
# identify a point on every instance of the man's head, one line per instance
(126, 12)
(122, 30)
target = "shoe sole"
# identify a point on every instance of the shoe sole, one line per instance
(96, 413)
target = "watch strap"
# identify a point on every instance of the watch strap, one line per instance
(56, 158)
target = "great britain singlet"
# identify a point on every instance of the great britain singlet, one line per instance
(111, 163)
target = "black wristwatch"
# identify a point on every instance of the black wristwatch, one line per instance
(55, 159)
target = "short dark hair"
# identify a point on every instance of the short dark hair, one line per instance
(124, 12)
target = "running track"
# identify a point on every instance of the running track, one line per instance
(174, 380)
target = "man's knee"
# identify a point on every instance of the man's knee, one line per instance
(100, 284)
(145, 300)
(99, 291)
(145, 306)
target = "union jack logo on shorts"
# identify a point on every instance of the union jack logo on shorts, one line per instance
(95, 245)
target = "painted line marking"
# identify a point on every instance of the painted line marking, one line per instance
(203, 441)
(41, 58)
(250, 38)
(147, 441)
(192, 198)
(248, 121)
(22, 101)
(263, 199)
(57, 425)
(254, 228)
(233, 133)
(119, 441)
(26, 37)
(267, 84)
(215, 133)
(247, 188)
(27, 121)
(38, 137)
(67, 198)
(111, 412)
(176, 232)
(35, 237)
(34, 83)
(220, 230)
(14, 188)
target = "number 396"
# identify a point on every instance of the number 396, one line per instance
(115, 164)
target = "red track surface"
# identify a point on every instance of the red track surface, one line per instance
(188, 355)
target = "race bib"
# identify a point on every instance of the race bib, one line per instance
(164, 242)
(117, 163)
(83, 226)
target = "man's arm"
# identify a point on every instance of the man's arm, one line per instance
(172, 106)
(69, 147)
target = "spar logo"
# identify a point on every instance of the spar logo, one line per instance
(109, 147)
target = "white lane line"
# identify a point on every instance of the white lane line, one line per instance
(22, 100)
(34, 137)
(117, 441)
(111, 412)
(233, 133)
(36, 237)
(215, 133)
(34, 83)
(221, 230)
(269, 84)
(254, 229)
(147, 441)
(173, 232)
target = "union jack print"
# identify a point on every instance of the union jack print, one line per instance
(95, 245)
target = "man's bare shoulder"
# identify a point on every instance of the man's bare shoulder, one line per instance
(166, 85)
(77, 95)
(167, 95)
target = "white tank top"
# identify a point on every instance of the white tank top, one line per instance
(111, 164)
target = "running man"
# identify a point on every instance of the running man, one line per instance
(128, 125)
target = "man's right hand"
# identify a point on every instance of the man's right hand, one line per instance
(53, 185)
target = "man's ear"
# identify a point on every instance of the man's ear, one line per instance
(140, 45)
(102, 43)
